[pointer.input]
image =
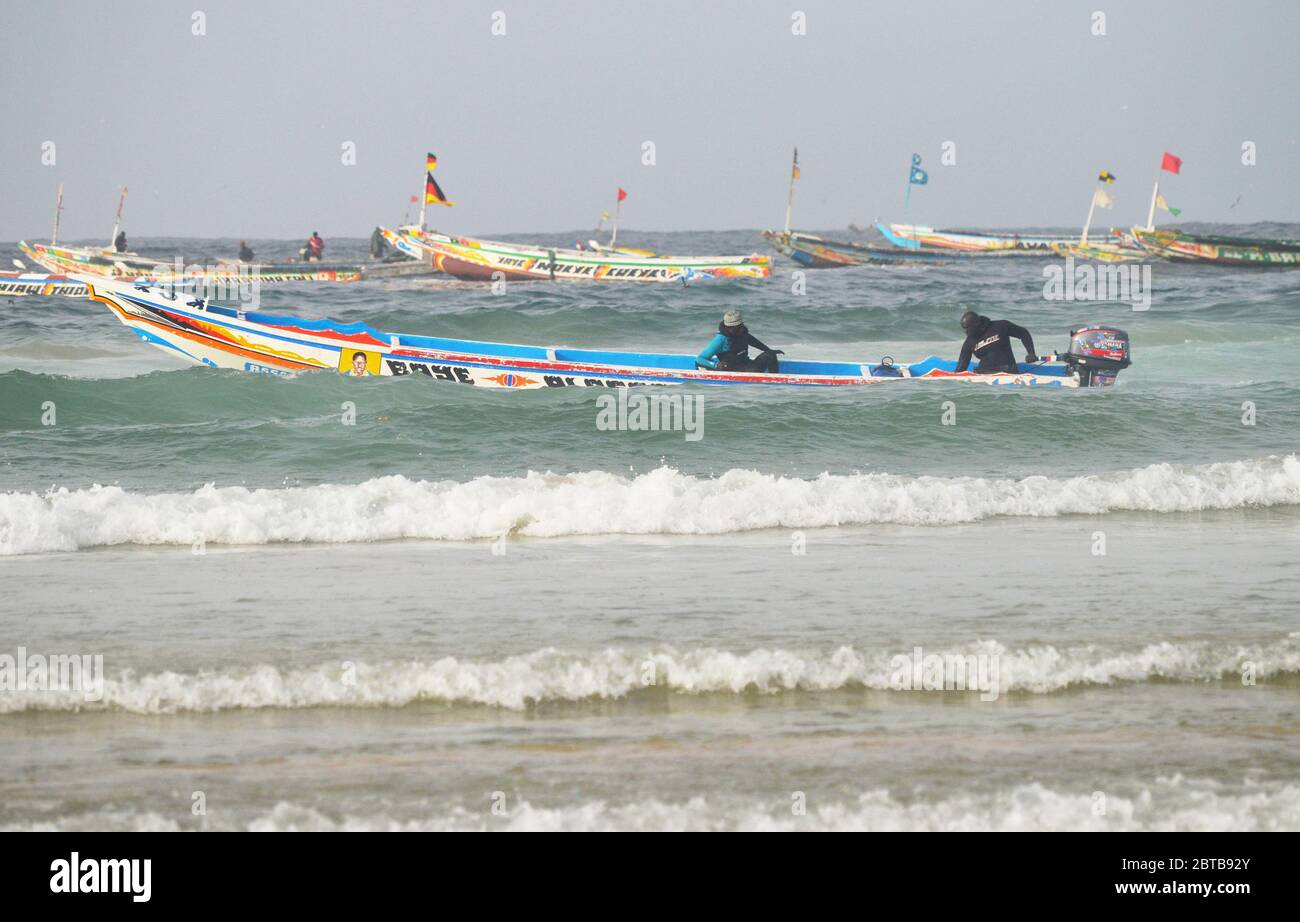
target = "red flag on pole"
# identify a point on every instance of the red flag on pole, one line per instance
(415, 198)
(1170, 163)
(621, 195)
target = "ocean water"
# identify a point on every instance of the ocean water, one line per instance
(477, 610)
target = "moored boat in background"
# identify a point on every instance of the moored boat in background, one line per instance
(108, 263)
(472, 259)
(1223, 251)
(914, 236)
(820, 253)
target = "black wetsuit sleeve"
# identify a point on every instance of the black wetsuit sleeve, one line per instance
(966, 348)
(1022, 334)
(756, 344)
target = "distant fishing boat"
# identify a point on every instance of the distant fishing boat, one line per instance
(915, 236)
(107, 263)
(471, 259)
(819, 253)
(474, 260)
(1223, 251)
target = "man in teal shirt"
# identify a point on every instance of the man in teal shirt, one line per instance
(729, 349)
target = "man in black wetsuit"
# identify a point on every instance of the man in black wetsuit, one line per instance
(990, 342)
(729, 349)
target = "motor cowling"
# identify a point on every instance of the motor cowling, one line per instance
(1098, 354)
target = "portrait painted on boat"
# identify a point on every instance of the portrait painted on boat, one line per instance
(358, 364)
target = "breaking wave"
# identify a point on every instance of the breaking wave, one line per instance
(1169, 804)
(661, 502)
(551, 676)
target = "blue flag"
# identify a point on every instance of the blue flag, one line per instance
(919, 176)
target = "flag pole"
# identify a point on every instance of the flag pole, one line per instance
(907, 196)
(789, 202)
(1083, 238)
(1151, 215)
(424, 198)
(117, 222)
(58, 211)
(618, 205)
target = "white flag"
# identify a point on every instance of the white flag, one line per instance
(1103, 198)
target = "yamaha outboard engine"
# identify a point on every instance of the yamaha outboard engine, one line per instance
(1097, 355)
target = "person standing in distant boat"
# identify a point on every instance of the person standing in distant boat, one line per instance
(119, 242)
(378, 245)
(315, 247)
(245, 254)
(729, 349)
(990, 342)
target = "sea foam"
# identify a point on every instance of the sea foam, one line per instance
(661, 502)
(1167, 804)
(551, 676)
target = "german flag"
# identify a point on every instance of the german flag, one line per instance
(433, 194)
(430, 162)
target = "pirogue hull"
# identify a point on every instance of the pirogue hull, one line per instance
(487, 260)
(223, 337)
(20, 284)
(912, 236)
(1222, 251)
(88, 261)
(819, 253)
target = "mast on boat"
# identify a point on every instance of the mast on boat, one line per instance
(1151, 215)
(58, 211)
(618, 205)
(424, 184)
(117, 222)
(789, 202)
(1083, 238)
(1099, 197)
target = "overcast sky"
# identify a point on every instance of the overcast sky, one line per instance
(239, 132)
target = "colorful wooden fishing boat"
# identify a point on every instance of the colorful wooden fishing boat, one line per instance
(820, 253)
(226, 337)
(1221, 251)
(1103, 251)
(20, 284)
(107, 263)
(913, 236)
(487, 260)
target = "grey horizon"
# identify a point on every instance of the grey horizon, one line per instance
(238, 133)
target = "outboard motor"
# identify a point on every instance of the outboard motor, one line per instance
(1097, 355)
